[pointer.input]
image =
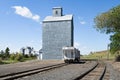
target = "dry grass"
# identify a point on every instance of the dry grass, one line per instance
(99, 55)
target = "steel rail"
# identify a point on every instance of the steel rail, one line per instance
(90, 70)
(87, 72)
(103, 73)
(16, 75)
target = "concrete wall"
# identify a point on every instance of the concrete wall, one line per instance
(55, 35)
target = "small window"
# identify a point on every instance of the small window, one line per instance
(56, 12)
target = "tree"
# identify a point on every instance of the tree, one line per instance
(2, 54)
(109, 22)
(30, 50)
(19, 57)
(23, 50)
(115, 42)
(7, 52)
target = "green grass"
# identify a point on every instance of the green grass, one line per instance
(14, 61)
(27, 59)
(8, 61)
(99, 55)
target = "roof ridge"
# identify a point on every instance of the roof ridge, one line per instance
(58, 18)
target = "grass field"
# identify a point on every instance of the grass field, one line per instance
(99, 55)
(14, 61)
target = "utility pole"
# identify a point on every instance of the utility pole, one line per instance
(108, 51)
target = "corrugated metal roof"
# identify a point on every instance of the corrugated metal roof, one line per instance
(59, 18)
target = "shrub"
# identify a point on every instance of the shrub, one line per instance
(26, 56)
(12, 56)
(19, 57)
(33, 56)
(0, 60)
(2, 56)
(117, 58)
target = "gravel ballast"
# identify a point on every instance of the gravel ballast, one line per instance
(68, 72)
(23, 66)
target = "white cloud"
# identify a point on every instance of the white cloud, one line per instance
(83, 49)
(36, 18)
(80, 18)
(77, 45)
(36, 44)
(82, 22)
(25, 12)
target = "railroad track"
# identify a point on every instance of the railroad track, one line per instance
(16, 75)
(97, 72)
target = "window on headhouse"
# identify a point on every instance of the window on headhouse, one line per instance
(56, 12)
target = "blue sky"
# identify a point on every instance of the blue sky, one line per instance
(20, 22)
